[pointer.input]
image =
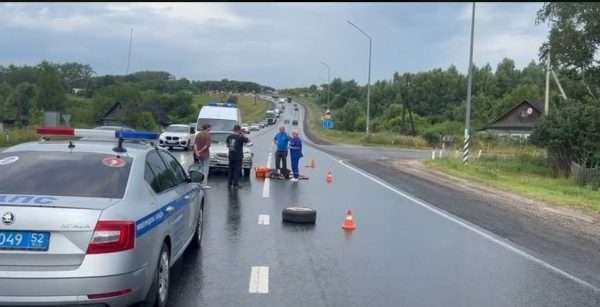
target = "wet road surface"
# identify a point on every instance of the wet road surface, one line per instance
(404, 252)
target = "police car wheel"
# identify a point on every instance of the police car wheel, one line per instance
(197, 240)
(158, 294)
(302, 215)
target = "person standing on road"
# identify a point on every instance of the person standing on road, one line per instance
(281, 140)
(295, 153)
(235, 143)
(202, 152)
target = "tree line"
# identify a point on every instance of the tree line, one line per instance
(74, 88)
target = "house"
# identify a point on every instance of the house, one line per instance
(114, 115)
(519, 121)
(7, 124)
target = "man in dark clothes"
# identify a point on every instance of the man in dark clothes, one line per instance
(235, 143)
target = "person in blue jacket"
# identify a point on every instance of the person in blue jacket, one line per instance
(295, 153)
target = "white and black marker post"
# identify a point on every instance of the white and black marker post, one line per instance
(468, 115)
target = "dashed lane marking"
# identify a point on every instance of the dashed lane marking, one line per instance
(259, 280)
(264, 219)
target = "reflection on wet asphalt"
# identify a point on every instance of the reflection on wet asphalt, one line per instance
(401, 254)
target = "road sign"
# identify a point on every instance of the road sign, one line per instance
(327, 124)
(67, 118)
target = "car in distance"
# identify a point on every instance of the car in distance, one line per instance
(219, 152)
(245, 128)
(294, 123)
(254, 127)
(178, 136)
(106, 233)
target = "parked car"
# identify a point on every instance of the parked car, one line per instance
(294, 123)
(219, 152)
(106, 232)
(254, 127)
(261, 125)
(178, 136)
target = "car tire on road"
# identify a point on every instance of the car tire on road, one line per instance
(154, 297)
(302, 215)
(197, 240)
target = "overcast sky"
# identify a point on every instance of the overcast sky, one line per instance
(275, 44)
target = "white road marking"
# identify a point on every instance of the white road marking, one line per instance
(267, 185)
(470, 227)
(259, 279)
(264, 219)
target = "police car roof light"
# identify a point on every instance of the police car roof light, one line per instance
(93, 133)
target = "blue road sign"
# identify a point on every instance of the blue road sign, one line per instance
(327, 124)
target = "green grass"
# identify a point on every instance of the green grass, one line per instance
(526, 175)
(251, 113)
(383, 139)
(17, 136)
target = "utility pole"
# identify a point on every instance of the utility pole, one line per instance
(547, 99)
(469, 84)
(129, 54)
(369, 75)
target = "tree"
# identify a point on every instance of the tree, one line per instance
(51, 95)
(75, 75)
(507, 76)
(22, 99)
(570, 133)
(574, 35)
(146, 122)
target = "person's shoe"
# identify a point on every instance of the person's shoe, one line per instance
(294, 179)
(206, 187)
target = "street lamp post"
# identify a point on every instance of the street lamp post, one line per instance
(328, 81)
(369, 77)
(468, 115)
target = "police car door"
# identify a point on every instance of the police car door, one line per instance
(168, 197)
(184, 224)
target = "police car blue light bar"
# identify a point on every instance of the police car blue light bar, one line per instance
(93, 133)
(221, 104)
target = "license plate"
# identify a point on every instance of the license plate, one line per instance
(24, 240)
(171, 142)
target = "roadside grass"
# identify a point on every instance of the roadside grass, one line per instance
(251, 113)
(17, 135)
(378, 139)
(523, 174)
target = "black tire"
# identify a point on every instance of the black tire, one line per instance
(197, 240)
(153, 298)
(246, 172)
(302, 215)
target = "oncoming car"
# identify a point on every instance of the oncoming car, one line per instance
(294, 123)
(219, 153)
(178, 136)
(94, 222)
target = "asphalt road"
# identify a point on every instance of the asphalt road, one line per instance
(404, 252)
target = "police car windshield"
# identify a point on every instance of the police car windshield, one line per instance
(181, 129)
(64, 174)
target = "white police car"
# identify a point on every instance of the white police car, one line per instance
(97, 221)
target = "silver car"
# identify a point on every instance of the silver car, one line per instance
(219, 153)
(94, 222)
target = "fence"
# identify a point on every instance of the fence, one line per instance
(586, 176)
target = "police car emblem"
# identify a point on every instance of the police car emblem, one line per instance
(8, 218)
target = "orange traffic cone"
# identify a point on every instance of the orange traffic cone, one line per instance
(349, 222)
(329, 178)
(312, 163)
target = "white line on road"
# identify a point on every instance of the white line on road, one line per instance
(259, 279)
(267, 185)
(474, 229)
(264, 219)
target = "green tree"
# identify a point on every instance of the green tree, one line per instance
(574, 35)
(570, 133)
(146, 122)
(75, 75)
(507, 76)
(51, 95)
(22, 98)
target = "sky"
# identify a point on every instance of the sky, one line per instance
(274, 44)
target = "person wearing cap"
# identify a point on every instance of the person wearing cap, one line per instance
(235, 143)
(295, 153)
(202, 152)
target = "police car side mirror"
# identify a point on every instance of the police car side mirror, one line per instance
(195, 174)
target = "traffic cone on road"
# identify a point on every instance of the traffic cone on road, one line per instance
(329, 178)
(349, 222)
(312, 163)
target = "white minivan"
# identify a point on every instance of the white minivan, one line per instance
(220, 116)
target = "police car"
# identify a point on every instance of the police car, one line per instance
(94, 222)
